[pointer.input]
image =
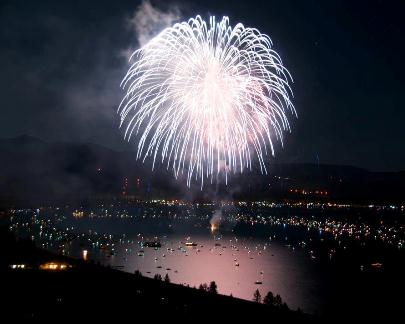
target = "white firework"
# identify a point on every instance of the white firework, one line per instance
(206, 99)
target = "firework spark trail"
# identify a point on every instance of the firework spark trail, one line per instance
(206, 98)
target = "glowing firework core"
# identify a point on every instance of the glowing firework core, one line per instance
(207, 99)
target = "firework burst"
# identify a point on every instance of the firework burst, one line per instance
(206, 99)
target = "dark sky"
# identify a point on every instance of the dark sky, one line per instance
(61, 63)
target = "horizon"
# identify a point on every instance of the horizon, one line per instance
(128, 149)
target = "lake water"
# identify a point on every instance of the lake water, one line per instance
(237, 265)
(310, 269)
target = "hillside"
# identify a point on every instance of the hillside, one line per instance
(35, 171)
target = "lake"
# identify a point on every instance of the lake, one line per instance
(310, 269)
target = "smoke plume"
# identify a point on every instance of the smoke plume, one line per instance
(148, 20)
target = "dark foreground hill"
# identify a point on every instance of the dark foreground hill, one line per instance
(89, 292)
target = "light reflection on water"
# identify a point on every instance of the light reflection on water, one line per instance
(281, 270)
(289, 272)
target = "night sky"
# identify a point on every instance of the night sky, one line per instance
(61, 63)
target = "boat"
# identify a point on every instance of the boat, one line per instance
(258, 282)
(154, 244)
(236, 264)
(190, 244)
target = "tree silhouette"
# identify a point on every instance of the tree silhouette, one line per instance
(138, 273)
(278, 301)
(203, 286)
(157, 277)
(269, 299)
(213, 287)
(257, 297)
(166, 279)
